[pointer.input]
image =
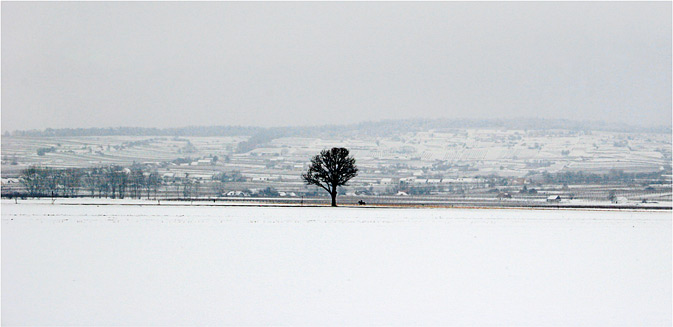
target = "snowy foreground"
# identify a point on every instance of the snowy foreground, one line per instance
(190, 265)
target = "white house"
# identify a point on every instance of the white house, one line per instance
(237, 193)
(554, 198)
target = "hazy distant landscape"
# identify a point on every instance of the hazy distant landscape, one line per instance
(496, 161)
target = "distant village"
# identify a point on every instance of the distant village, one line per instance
(453, 163)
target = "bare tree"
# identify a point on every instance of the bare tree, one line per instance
(89, 181)
(152, 183)
(137, 181)
(331, 169)
(71, 179)
(117, 177)
(102, 181)
(53, 179)
(32, 179)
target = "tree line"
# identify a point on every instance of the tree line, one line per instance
(371, 128)
(106, 182)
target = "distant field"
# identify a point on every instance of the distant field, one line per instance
(190, 265)
(489, 150)
(87, 151)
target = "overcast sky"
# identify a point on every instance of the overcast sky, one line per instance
(98, 64)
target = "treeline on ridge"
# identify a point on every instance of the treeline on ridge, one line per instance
(378, 128)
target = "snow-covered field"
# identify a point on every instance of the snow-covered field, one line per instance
(189, 265)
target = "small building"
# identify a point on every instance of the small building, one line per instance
(237, 193)
(554, 198)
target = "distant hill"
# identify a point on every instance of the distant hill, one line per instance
(378, 128)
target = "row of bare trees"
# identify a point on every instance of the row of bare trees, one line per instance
(45, 181)
(112, 181)
(119, 182)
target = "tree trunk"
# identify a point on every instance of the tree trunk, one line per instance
(334, 195)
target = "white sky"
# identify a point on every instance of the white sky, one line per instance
(101, 64)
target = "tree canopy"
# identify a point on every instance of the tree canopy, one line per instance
(330, 169)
